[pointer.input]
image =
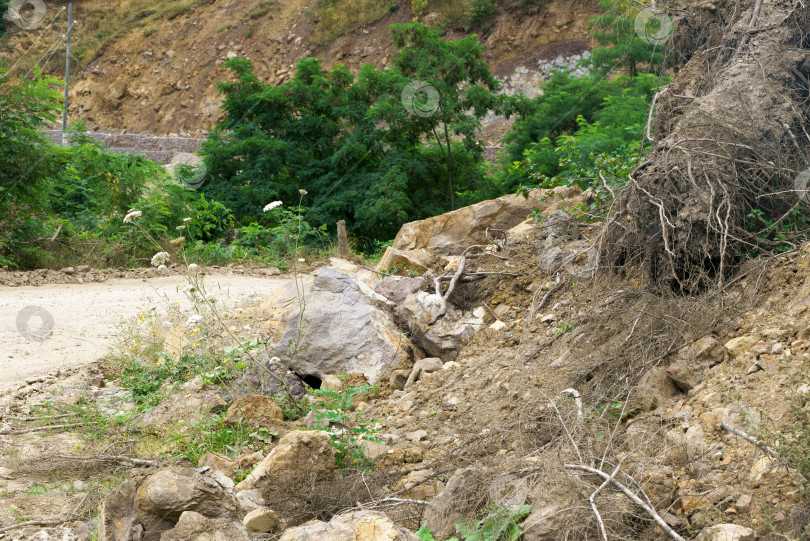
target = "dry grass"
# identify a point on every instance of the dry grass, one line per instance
(337, 17)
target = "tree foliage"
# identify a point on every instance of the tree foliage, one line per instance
(377, 149)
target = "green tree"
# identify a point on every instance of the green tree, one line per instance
(26, 104)
(456, 82)
(361, 151)
(575, 124)
(615, 30)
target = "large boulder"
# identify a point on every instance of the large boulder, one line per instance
(726, 532)
(418, 243)
(345, 327)
(299, 454)
(445, 337)
(149, 504)
(168, 493)
(457, 499)
(357, 526)
(193, 526)
(692, 362)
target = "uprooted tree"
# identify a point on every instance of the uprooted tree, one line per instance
(728, 175)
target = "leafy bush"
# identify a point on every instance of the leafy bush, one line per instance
(348, 431)
(497, 524)
(605, 135)
(349, 141)
(481, 11)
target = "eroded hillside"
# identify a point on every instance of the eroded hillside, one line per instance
(152, 67)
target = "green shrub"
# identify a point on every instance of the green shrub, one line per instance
(605, 135)
(481, 11)
(350, 432)
(496, 524)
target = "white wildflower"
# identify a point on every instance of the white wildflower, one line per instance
(301, 259)
(193, 320)
(167, 324)
(131, 215)
(193, 267)
(180, 227)
(186, 220)
(270, 206)
(303, 191)
(160, 258)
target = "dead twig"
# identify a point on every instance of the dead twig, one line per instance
(51, 521)
(747, 437)
(592, 501)
(633, 497)
(141, 463)
(577, 400)
(50, 427)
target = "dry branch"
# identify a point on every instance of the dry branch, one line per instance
(633, 497)
(138, 462)
(43, 522)
(744, 435)
(49, 427)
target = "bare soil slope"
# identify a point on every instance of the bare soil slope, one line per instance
(153, 67)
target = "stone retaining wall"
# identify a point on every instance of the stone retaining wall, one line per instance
(158, 149)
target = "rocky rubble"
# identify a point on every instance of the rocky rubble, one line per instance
(82, 274)
(332, 323)
(475, 414)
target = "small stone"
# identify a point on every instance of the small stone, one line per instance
(223, 480)
(79, 485)
(5, 428)
(260, 520)
(741, 344)
(250, 500)
(331, 381)
(743, 504)
(498, 326)
(417, 436)
(398, 379)
(726, 532)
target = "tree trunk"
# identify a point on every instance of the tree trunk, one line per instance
(343, 239)
(731, 139)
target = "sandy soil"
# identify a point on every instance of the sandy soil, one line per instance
(85, 317)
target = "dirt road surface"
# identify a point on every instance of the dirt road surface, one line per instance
(83, 319)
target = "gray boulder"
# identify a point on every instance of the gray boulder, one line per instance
(350, 527)
(149, 504)
(445, 337)
(196, 527)
(345, 327)
(447, 508)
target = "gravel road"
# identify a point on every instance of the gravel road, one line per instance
(85, 317)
